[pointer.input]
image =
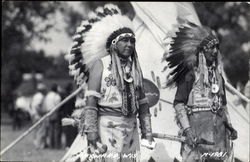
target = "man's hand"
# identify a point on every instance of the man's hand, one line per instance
(148, 141)
(233, 132)
(191, 138)
(92, 138)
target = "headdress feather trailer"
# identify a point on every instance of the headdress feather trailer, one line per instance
(188, 41)
(92, 41)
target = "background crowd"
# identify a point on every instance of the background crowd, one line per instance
(30, 107)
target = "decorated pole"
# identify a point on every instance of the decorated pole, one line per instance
(42, 119)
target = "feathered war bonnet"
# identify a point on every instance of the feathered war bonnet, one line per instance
(189, 40)
(93, 39)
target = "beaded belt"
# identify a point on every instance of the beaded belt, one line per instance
(191, 110)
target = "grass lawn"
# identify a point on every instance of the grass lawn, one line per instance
(25, 150)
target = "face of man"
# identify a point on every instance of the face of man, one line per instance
(211, 54)
(126, 47)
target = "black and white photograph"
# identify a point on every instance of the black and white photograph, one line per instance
(110, 81)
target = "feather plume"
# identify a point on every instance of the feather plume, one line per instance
(189, 39)
(89, 41)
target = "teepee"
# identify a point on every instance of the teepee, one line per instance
(153, 22)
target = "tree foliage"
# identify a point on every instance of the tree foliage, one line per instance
(231, 22)
(22, 22)
(73, 17)
(59, 69)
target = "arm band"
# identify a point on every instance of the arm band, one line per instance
(92, 93)
(91, 108)
(90, 121)
(181, 116)
(145, 124)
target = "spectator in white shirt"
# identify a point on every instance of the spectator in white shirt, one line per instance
(37, 112)
(51, 100)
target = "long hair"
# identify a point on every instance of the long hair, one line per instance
(117, 70)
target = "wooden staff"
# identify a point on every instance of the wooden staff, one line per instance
(169, 137)
(42, 119)
(180, 138)
(235, 91)
(171, 103)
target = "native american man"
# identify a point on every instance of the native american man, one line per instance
(105, 46)
(200, 100)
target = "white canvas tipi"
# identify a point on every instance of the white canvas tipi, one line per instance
(153, 22)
